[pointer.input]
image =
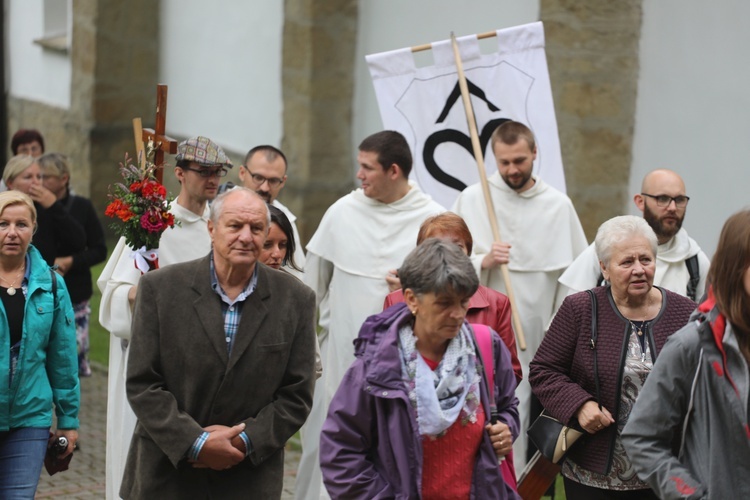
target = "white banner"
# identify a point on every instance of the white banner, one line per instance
(425, 105)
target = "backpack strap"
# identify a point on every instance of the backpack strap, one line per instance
(53, 275)
(483, 339)
(695, 276)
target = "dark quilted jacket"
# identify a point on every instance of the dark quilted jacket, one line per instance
(561, 374)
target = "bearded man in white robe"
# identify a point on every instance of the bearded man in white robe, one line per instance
(200, 164)
(360, 239)
(681, 265)
(541, 236)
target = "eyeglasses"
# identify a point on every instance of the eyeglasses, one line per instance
(662, 200)
(259, 179)
(204, 172)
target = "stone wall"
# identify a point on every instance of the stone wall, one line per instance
(114, 58)
(592, 53)
(318, 84)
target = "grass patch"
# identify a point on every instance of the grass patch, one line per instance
(98, 336)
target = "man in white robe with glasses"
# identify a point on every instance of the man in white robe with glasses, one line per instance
(264, 171)
(681, 265)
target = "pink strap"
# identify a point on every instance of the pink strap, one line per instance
(484, 342)
(483, 337)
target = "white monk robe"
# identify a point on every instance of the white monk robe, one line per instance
(182, 243)
(348, 258)
(299, 253)
(671, 272)
(545, 235)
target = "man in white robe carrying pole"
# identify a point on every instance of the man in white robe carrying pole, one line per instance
(200, 164)
(360, 238)
(681, 265)
(542, 236)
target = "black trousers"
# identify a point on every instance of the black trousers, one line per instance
(578, 491)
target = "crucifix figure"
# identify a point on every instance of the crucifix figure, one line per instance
(162, 143)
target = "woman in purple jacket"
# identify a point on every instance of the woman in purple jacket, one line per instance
(411, 418)
(595, 384)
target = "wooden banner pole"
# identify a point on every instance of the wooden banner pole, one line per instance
(479, 156)
(428, 46)
(140, 154)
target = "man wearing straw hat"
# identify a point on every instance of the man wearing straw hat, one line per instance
(361, 238)
(541, 236)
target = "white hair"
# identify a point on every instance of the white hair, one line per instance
(618, 229)
(217, 205)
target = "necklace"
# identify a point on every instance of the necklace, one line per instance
(638, 329)
(644, 322)
(12, 287)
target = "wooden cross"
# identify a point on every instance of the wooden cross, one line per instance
(162, 142)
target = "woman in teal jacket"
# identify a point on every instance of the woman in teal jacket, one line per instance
(38, 363)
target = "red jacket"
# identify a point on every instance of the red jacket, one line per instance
(486, 307)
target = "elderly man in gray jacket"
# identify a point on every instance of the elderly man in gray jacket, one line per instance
(221, 367)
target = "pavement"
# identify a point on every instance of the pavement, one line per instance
(85, 478)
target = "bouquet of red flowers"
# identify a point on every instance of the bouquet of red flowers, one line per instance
(140, 203)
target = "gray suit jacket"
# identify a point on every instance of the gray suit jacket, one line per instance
(181, 378)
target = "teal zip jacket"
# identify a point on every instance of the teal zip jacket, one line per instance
(47, 369)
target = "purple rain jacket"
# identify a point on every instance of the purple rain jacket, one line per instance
(370, 446)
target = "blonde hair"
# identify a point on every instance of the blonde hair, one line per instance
(15, 166)
(10, 198)
(56, 162)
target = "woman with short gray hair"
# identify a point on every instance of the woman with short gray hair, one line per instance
(597, 354)
(411, 418)
(618, 229)
(434, 268)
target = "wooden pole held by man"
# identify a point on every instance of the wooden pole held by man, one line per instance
(479, 156)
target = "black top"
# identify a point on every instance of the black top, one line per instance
(14, 305)
(57, 234)
(78, 277)
(640, 326)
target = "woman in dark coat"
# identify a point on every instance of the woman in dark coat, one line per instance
(633, 319)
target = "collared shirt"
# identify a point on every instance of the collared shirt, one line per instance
(232, 312)
(232, 309)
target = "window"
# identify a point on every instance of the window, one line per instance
(57, 25)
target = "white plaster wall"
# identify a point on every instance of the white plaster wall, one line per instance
(693, 107)
(222, 62)
(34, 73)
(393, 24)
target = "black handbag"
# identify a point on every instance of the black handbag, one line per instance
(549, 435)
(52, 461)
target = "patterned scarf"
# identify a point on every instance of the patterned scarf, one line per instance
(450, 391)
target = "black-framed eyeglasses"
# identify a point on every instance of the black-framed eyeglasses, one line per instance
(662, 200)
(205, 172)
(259, 179)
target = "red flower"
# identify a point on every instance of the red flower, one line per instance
(120, 210)
(153, 222)
(112, 208)
(154, 190)
(168, 219)
(140, 204)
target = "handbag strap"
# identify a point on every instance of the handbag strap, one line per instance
(483, 339)
(592, 344)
